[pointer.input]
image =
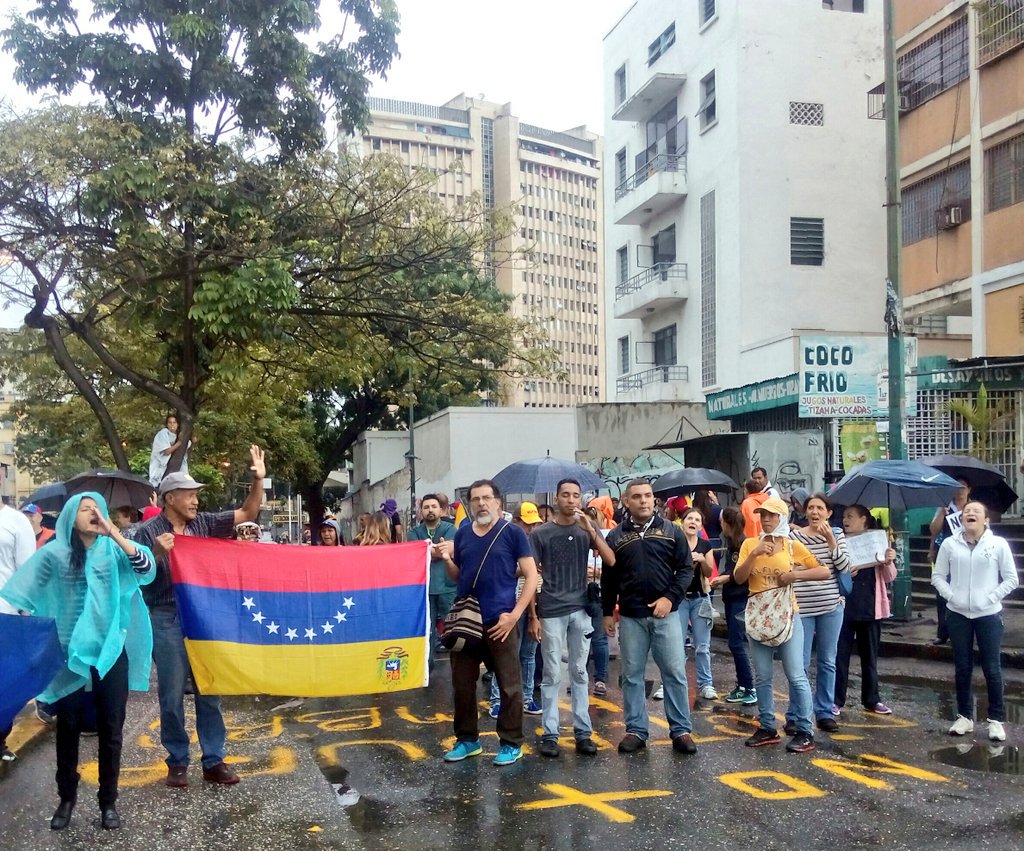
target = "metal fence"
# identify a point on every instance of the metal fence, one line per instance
(421, 110)
(655, 375)
(662, 162)
(657, 272)
(1000, 28)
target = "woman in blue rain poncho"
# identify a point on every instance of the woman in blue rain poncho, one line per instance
(87, 579)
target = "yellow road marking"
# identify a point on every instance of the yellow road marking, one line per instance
(329, 753)
(857, 773)
(566, 796)
(792, 788)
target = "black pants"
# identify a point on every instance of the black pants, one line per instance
(988, 631)
(866, 635)
(941, 628)
(111, 696)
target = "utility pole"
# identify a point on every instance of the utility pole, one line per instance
(894, 305)
(411, 455)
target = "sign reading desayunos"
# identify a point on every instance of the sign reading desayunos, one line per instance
(849, 376)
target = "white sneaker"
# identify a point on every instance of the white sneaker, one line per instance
(962, 726)
(995, 731)
(658, 693)
(709, 693)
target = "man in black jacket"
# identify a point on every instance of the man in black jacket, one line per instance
(652, 570)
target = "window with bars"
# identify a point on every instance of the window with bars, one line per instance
(937, 64)
(620, 86)
(1004, 174)
(624, 355)
(707, 11)
(622, 264)
(620, 169)
(806, 241)
(665, 346)
(708, 292)
(809, 114)
(708, 109)
(662, 43)
(922, 201)
(1000, 28)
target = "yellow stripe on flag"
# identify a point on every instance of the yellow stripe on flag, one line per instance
(371, 667)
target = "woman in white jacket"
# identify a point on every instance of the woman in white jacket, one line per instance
(973, 572)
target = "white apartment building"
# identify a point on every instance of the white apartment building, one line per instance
(744, 190)
(550, 181)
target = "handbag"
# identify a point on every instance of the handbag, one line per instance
(464, 623)
(844, 581)
(770, 615)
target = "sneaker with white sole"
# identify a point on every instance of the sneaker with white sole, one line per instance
(530, 707)
(962, 726)
(658, 693)
(995, 731)
(508, 754)
(709, 693)
(495, 709)
(463, 750)
(600, 689)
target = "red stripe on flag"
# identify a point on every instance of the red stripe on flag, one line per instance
(273, 567)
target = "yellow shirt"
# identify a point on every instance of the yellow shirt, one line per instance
(766, 570)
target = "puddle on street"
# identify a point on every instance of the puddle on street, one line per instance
(992, 758)
(925, 693)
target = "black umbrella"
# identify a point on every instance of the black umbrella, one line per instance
(998, 497)
(115, 486)
(689, 479)
(542, 475)
(49, 497)
(894, 484)
(966, 467)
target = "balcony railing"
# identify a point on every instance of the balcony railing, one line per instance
(657, 272)
(655, 375)
(1000, 28)
(420, 110)
(661, 162)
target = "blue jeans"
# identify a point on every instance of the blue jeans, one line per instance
(989, 633)
(738, 641)
(527, 663)
(662, 637)
(599, 649)
(688, 608)
(439, 605)
(821, 633)
(574, 628)
(172, 668)
(792, 655)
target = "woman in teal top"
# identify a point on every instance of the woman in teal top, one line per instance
(87, 579)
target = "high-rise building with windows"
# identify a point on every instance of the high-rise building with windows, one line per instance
(744, 191)
(550, 181)
(961, 101)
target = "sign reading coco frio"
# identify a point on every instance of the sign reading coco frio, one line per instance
(849, 376)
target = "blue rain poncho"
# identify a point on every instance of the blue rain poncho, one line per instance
(99, 611)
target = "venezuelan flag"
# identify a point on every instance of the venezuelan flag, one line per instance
(309, 621)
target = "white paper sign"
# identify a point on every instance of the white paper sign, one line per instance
(867, 548)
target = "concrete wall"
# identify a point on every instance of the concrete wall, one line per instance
(378, 454)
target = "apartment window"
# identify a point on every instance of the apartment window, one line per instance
(707, 111)
(665, 346)
(933, 66)
(843, 5)
(622, 264)
(707, 11)
(806, 241)
(708, 292)
(1000, 28)
(662, 43)
(620, 86)
(1004, 174)
(623, 355)
(376, 144)
(925, 204)
(620, 168)
(405, 147)
(809, 114)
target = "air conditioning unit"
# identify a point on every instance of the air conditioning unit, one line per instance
(949, 217)
(903, 103)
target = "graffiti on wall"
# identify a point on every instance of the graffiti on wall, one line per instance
(618, 472)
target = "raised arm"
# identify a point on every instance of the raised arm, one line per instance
(250, 509)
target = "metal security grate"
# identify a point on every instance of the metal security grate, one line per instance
(1004, 174)
(1000, 28)
(922, 201)
(708, 293)
(806, 241)
(934, 65)
(810, 114)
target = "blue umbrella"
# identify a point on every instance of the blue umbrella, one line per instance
(49, 497)
(896, 485)
(542, 475)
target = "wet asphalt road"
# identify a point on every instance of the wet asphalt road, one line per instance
(367, 773)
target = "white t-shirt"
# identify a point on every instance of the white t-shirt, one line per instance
(164, 439)
(17, 543)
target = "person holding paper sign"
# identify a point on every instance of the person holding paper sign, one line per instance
(866, 608)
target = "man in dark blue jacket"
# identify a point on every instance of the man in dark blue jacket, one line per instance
(653, 568)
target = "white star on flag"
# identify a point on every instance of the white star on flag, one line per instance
(349, 603)
(291, 634)
(310, 634)
(339, 617)
(248, 603)
(258, 617)
(272, 628)
(328, 627)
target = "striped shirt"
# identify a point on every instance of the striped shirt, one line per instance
(822, 596)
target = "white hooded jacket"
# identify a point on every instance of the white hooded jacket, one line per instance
(974, 581)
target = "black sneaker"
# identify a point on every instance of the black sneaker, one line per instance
(800, 743)
(631, 743)
(763, 736)
(549, 747)
(829, 725)
(790, 728)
